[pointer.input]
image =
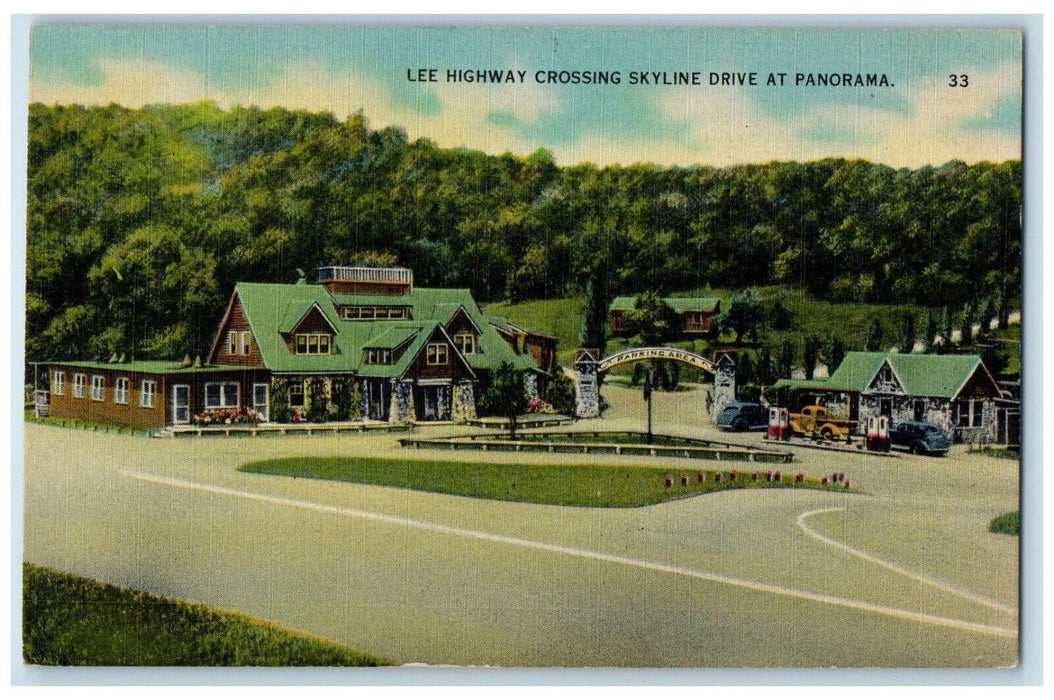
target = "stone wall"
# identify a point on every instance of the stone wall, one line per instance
(402, 404)
(937, 411)
(463, 406)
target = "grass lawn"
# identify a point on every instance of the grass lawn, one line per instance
(605, 485)
(74, 621)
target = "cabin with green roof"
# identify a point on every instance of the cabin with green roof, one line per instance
(697, 313)
(955, 392)
(402, 352)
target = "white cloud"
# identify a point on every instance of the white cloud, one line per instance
(729, 128)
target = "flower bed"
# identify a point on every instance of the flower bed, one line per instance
(227, 416)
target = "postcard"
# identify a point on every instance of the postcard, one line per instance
(356, 344)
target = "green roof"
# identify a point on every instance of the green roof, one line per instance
(147, 366)
(920, 374)
(678, 304)
(934, 375)
(273, 309)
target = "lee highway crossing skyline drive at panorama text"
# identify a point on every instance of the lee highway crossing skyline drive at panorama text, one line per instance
(647, 77)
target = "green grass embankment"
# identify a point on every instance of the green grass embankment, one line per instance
(1006, 524)
(606, 485)
(74, 621)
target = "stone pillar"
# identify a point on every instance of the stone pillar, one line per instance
(402, 405)
(724, 385)
(463, 406)
(530, 385)
(587, 388)
(443, 401)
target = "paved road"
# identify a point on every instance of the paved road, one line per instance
(905, 576)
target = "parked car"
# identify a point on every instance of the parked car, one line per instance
(743, 415)
(920, 437)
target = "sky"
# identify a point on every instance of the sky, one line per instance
(940, 94)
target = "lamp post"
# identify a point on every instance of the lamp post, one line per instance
(649, 372)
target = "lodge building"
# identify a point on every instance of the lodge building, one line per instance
(407, 353)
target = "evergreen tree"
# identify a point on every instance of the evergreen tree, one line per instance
(594, 316)
(810, 354)
(875, 332)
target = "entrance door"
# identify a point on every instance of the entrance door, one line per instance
(429, 403)
(180, 404)
(260, 400)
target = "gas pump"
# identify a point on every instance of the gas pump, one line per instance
(878, 433)
(779, 424)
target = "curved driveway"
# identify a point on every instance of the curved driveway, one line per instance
(904, 576)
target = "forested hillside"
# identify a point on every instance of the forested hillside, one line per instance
(141, 221)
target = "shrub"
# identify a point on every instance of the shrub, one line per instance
(1006, 524)
(279, 401)
(318, 400)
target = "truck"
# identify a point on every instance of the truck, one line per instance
(816, 421)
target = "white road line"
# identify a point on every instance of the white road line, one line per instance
(909, 615)
(916, 575)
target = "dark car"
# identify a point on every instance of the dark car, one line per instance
(743, 415)
(920, 437)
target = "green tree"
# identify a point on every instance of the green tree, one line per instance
(785, 365)
(743, 314)
(835, 352)
(504, 396)
(652, 319)
(811, 354)
(875, 336)
(594, 316)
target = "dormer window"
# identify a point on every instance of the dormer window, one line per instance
(378, 356)
(314, 344)
(466, 343)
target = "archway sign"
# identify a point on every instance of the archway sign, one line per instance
(587, 368)
(656, 353)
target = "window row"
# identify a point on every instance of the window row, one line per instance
(354, 313)
(147, 388)
(314, 344)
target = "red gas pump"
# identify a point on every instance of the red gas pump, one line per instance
(779, 424)
(878, 433)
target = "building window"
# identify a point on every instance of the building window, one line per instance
(296, 394)
(466, 343)
(221, 395)
(239, 342)
(355, 313)
(98, 387)
(970, 414)
(78, 385)
(58, 383)
(120, 390)
(147, 392)
(378, 356)
(313, 344)
(436, 354)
